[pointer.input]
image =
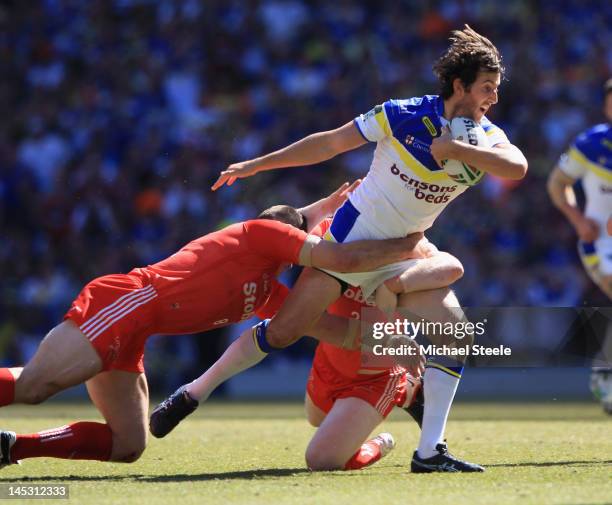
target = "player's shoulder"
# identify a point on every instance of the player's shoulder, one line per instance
(416, 112)
(255, 225)
(595, 138)
(425, 104)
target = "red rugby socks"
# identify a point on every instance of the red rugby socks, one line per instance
(368, 454)
(82, 440)
(7, 387)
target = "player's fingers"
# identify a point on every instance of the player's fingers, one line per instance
(341, 190)
(219, 182)
(231, 180)
(353, 186)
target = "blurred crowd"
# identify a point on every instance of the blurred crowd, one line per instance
(118, 115)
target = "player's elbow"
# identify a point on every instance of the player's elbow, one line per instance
(518, 169)
(453, 270)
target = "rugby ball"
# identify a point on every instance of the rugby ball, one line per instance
(469, 131)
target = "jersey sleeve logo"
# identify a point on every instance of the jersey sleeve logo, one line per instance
(373, 112)
(430, 126)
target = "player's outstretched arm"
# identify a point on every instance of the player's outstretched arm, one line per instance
(503, 160)
(563, 197)
(313, 149)
(319, 210)
(358, 256)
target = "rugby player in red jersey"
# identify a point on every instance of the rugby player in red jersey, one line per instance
(217, 279)
(350, 393)
(345, 397)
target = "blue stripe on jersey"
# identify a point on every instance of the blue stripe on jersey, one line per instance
(596, 145)
(587, 248)
(343, 222)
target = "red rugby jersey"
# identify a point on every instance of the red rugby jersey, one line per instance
(223, 277)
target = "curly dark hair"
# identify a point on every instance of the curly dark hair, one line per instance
(468, 54)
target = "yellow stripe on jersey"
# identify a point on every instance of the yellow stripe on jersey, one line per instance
(329, 237)
(413, 164)
(383, 122)
(593, 167)
(590, 260)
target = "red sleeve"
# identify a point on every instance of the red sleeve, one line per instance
(275, 240)
(274, 302)
(321, 228)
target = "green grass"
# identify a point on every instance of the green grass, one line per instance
(253, 454)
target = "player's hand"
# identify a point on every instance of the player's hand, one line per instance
(587, 229)
(609, 225)
(444, 147)
(414, 363)
(233, 172)
(425, 249)
(338, 197)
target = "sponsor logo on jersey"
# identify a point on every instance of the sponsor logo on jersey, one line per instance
(430, 193)
(249, 289)
(357, 295)
(417, 144)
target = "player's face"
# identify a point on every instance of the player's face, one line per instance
(481, 95)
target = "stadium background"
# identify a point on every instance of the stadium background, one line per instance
(118, 115)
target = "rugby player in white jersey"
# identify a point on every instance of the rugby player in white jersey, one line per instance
(589, 160)
(404, 191)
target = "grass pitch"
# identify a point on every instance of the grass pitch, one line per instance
(232, 453)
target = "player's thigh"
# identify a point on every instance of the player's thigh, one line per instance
(314, 414)
(64, 358)
(438, 306)
(347, 425)
(313, 292)
(123, 399)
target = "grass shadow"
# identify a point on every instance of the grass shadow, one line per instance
(549, 463)
(235, 475)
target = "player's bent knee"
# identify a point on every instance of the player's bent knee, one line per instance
(128, 453)
(34, 394)
(279, 339)
(318, 460)
(129, 443)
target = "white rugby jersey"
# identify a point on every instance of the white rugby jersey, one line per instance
(590, 160)
(405, 190)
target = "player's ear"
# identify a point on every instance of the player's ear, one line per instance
(458, 88)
